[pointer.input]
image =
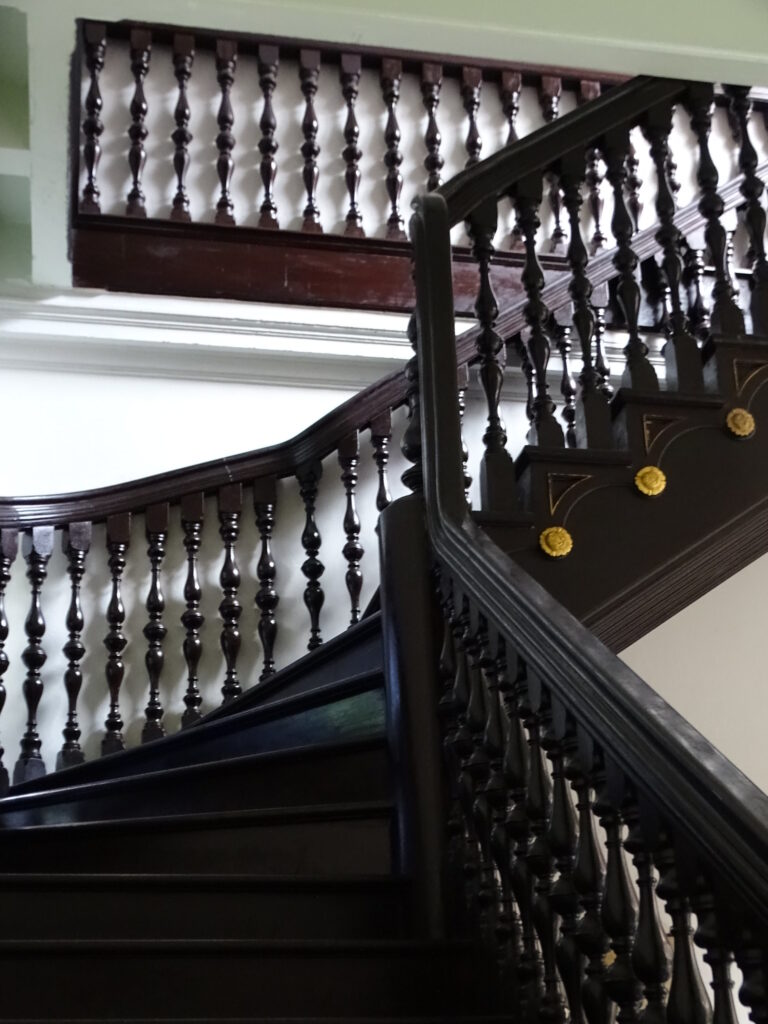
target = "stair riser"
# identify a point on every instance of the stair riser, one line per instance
(211, 985)
(341, 777)
(305, 848)
(101, 913)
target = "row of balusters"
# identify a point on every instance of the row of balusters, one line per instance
(575, 936)
(510, 83)
(37, 548)
(586, 408)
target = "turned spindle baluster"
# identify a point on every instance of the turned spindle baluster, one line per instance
(497, 474)
(413, 475)
(471, 87)
(264, 503)
(381, 435)
(181, 136)
(591, 90)
(561, 332)
(545, 430)
(592, 424)
(118, 539)
(726, 317)
(349, 73)
(638, 372)
(349, 458)
(9, 546)
(156, 528)
(633, 186)
(75, 542)
(230, 609)
(710, 937)
(752, 189)
(391, 77)
(309, 478)
(309, 76)
(600, 300)
(36, 549)
(141, 49)
(681, 353)
(95, 44)
(226, 62)
(431, 83)
(192, 619)
(268, 63)
(550, 91)
(509, 93)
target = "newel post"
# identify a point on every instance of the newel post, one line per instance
(411, 655)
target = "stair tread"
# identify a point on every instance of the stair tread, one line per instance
(270, 883)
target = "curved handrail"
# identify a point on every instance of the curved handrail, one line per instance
(691, 783)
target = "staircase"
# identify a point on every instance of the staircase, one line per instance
(464, 807)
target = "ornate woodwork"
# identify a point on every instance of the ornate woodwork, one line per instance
(141, 49)
(391, 76)
(76, 543)
(431, 83)
(509, 94)
(349, 459)
(9, 546)
(635, 183)
(309, 76)
(550, 91)
(226, 62)
(309, 478)
(267, 600)
(118, 539)
(230, 500)
(268, 64)
(95, 45)
(471, 88)
(591, 90)
(156, 529)
(381, 435)
(350, 66)
(192, 619)
(183, 58)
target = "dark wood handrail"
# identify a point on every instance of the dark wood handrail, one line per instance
(686, 780)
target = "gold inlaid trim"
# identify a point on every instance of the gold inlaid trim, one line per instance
(650, 480)
(555, 541)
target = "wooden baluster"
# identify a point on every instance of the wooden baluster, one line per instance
(309, 74)
(230, 609)
(141, 49)
(681, 353)
(634, 184)
(413, 475)
(349, 74)
(600, 300)
(9, 546)
(309, 478)
(693, 276)
(726, 317)
(431, 83)
(509, 93)
(638, 373)
(381, 435)
(592, 423)
(471, 87)
(226, 62)
(95, 43)
(462, 380)
(75, 543)
(591, 90)
(349, 458)
(391, 77)
(550, 91)
(192, 619)
(181, 136)
(497, 472)
(156, 528)
(750, 956)
(36, 549)
(268, 63)
(265, 502)
(545, 430)
(561, 332)
(651, 955)
(709, 936)
(118, 539)
(752, 189)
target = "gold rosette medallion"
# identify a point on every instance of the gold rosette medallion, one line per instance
(555, 541)
(740, 423)
(650, 480)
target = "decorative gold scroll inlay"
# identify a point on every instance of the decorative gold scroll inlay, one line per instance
(555, 541)
(650, 480)
(740, 422)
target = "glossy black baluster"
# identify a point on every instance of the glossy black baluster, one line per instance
(95, 44)
(600, 300)
(710, 936)
(118, 539)
(9, 546)
(550, 91)
(183, 57)
(545, 430)
(309, 478)
(192, 619)
(752, 189)
(693, 277)
(560, 328)
(349, 459)
(264, 503)
(750, 956)
(309, 76)
(75, 542)
(509, 93)
(268, 63)
(381, 435)
(230, 609)
(226, 62)
(413, 475)
(471, 87)
(726, 317)
(634, 185)
(431, 83)
(141, 49)
(391, 77)
(638, 372)
(36, 549)
(351, 64)
(681, 353)
(497, 473)
(591, 90)
(156, 526)
(592, 422)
